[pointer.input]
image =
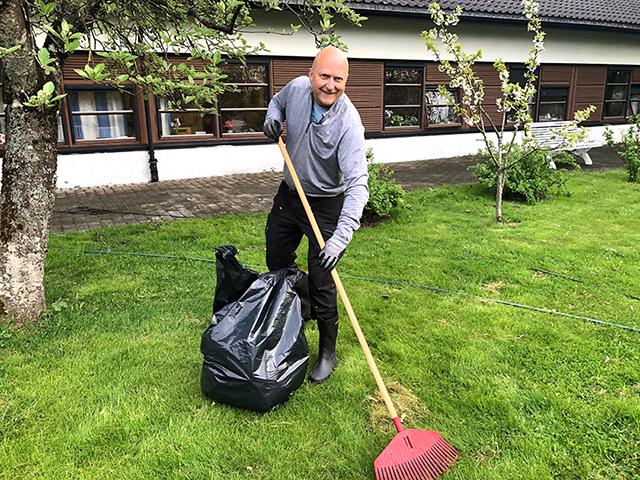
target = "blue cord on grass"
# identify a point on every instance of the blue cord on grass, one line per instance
(392, 282)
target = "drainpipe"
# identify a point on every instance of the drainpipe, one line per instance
(153, 163)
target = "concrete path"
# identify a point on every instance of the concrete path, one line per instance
(89, 208)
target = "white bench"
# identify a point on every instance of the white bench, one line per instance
(544, 137)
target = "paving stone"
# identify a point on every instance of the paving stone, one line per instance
(90, 208)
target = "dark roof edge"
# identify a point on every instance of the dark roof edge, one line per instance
(409, 12)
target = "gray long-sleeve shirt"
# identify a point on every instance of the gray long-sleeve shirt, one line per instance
(329, 157)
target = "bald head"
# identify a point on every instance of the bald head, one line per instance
(328, 76)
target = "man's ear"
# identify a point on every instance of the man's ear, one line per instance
(311, 74)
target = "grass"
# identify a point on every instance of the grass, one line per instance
(106, 385)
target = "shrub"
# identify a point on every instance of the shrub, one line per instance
(531, 179)
(629, 149)
(384, 194)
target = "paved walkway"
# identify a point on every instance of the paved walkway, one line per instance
(89, 208)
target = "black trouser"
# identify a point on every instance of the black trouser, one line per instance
(286, 224)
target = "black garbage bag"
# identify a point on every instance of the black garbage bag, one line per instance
(255, 351)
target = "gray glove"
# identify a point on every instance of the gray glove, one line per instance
(330, 255)
(272, 128)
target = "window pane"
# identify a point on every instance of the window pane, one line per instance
(94, 127)
(616, 92)
(99, 100)
(403, 76)
(243, 122)
(185, 123)
(247, 97)
(549, 112)
(401, 117)
(179, 122)
(553, 94)
(438, 112)
(100, 126)
(516, 76)
(614, 109)
(618, 76)
(60, 130)
(402, 95)
(441, 116)
(634, 105)
(553, 101)
(245, 74)
(403, 103)
(2, 127)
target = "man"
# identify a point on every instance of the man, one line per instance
(325, 140)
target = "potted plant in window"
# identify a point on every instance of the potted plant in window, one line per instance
(228, 126)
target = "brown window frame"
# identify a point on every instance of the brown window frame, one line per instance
(388, 108)
(427, 106)
(626, 101)
(71, 114)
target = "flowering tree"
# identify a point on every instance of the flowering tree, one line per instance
(512, 106)
(128, 41)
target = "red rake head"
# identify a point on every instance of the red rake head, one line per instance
(414, 455)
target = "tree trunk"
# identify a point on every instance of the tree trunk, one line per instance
(502, 175)
(28, 172)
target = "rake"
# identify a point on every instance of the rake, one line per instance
(411, 454)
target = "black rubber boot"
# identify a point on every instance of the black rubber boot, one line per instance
(327, 359)
(302, 289)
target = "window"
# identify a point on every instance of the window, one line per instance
(439, 112)
(402, 93)
(244, 110)
(553, 103)
(516, 75)
(103, 113)
(616, 93)
(183, 122)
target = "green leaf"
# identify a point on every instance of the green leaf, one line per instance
(71, 47)
(82, 73)
(7, 51)
(48, 87)
(122, 78)
(52, 31)
(46, 8)
(43, 57)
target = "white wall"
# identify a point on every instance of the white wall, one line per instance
(399, 39)
(94, 169)
(85, 170)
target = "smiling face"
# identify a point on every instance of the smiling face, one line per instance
(328, 76)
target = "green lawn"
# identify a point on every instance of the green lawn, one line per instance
(107, 385)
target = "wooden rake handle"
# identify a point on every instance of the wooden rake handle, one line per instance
(343, 294)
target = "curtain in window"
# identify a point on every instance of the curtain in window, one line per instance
(74, 104)
(88, 126)
(104, 127)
